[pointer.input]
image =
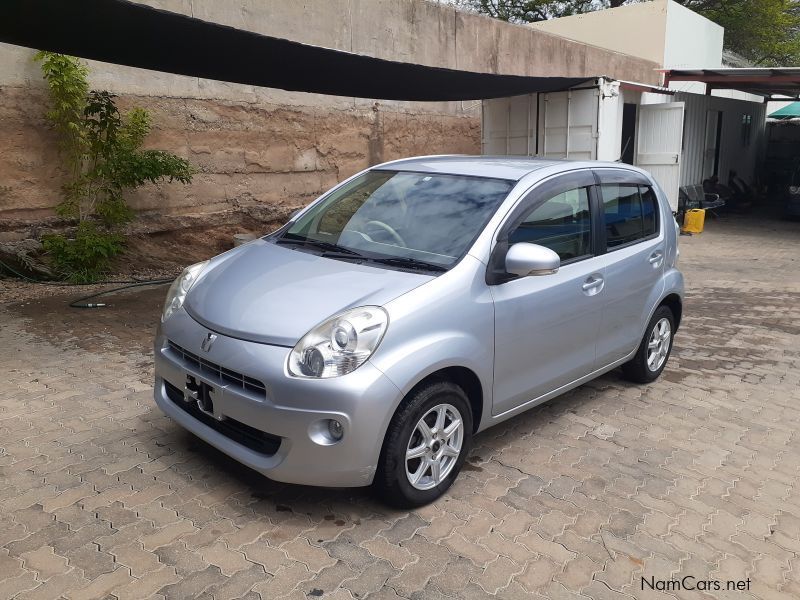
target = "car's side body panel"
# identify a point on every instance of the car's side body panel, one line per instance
(546, 332)
(529, 344)
(634, 279)
(427, 334)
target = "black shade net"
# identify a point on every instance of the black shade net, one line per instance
(126, 33)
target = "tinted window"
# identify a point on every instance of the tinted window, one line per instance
(429, 217)
(630, 213)
(562, 224)
(649, 214)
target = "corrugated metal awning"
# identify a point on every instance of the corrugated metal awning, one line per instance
(771, 83)
(132, 34)
(645, 87)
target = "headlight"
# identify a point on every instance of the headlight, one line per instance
(339, 345)
(180, 287)
(794, 190)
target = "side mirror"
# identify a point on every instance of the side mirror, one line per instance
(526, 259)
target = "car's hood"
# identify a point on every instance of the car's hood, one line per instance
(272, 294)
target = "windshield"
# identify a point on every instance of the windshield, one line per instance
(402, 216)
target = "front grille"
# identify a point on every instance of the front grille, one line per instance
(250, 437)
(230, 377)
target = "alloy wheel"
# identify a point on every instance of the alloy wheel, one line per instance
(658, 344)
(434, 446)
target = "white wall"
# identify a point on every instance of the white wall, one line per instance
(661, 30)
(691, 41)
(635, 29)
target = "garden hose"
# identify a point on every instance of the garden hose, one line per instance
(81, 302)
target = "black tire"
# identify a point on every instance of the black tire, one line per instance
(637, 369)
(391, 482)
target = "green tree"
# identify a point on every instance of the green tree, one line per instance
(531, 11)
(103, 159)
(765, 32)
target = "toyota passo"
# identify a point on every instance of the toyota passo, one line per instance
(419, 302)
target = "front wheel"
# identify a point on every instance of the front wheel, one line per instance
(425, 445)
(654, 350)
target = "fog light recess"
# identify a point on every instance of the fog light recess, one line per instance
(335, 429)
(326, 432)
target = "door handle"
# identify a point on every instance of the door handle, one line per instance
(592, 285)
(656, 258)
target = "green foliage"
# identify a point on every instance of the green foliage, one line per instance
(102, 154)
(530, 11)
(85, 257)
(66, 80)
(766, 32)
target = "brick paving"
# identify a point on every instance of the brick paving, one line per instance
(698, 474)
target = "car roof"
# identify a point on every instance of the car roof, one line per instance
(511, 168)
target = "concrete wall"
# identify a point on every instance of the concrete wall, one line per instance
(661, 31)
(635, 29)
(258, 146)
(691, 40)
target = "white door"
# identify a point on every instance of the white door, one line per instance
(568, 124)
(508, 126)
(658, 145)
(551, 125)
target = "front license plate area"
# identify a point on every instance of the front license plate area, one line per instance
(196, 390)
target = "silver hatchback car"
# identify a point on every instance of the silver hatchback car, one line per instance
(417, 303)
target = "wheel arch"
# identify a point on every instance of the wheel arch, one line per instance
(675, 304)
(467, 380)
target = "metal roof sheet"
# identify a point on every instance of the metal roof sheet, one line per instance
(769, 82)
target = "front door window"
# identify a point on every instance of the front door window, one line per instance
(561, 223)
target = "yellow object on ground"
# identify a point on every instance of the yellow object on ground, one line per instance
(693, 220)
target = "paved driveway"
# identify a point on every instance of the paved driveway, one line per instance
(603, 493)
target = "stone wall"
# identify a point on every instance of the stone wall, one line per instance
(266, 147)
(246, 154)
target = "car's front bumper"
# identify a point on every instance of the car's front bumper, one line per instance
(291, 411)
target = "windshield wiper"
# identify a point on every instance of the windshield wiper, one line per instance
(322, 245)
(409, 263)
(331, 250)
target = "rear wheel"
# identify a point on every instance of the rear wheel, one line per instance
(654, 350)
(425, 445)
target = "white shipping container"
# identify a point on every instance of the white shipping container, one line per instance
(586, 123)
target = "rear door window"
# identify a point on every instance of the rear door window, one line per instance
(630, 214)
(649, 212)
